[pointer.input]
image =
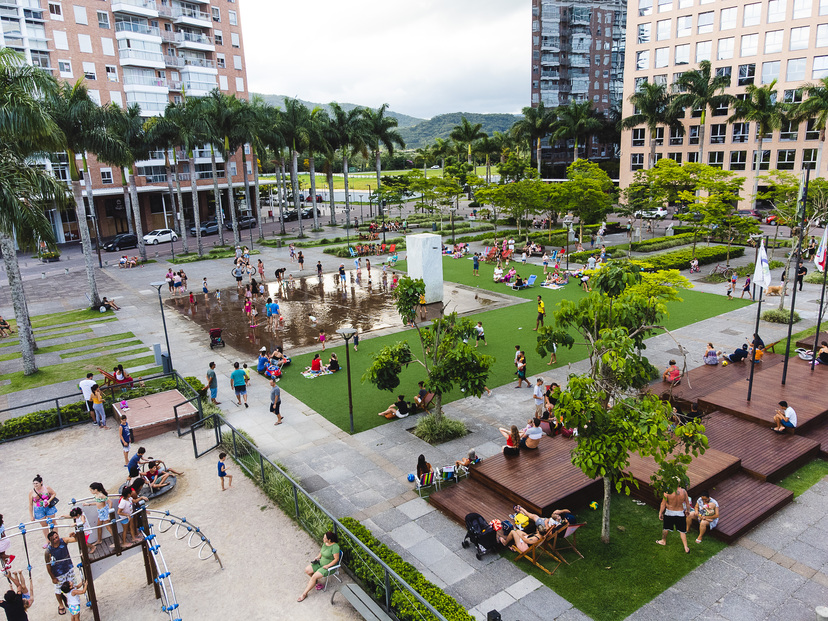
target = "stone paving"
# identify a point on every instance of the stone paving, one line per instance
(364, 475)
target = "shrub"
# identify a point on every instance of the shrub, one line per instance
(662, 243)
(373, 578)
(244, 447)
(680, 259)
(813, 277)
(780, 316)
(430, 430)
(747, 270)
(613, 252)
(474, 205)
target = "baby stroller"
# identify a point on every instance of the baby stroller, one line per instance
(481, 534)
(215, 338)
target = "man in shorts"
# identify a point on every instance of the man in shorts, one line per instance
(673, 514)
(238, 272)
(238, 381)
(537, 397)
(212, 383)
(275, 401)
(59, 564)
(86, 388)
(541, 314)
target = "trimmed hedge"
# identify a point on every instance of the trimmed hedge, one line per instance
(613, 252)
(373, 579)
(44, 420)
(780, 316)
(662, 243)
(680, 259)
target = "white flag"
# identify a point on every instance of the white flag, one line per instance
(819, 258)
(761, 274)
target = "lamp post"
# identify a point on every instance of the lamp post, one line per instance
(361, 217)
(453, 210)
(345, 333)
(158, 286)
(569, 233)
(347, 224)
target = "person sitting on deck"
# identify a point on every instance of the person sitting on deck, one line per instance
(531, 436)
(559, 518)
(672, 374)
(470, 460)
(706, 513)
(512, 436)
(822, 353)
(710, 355)
(785, 418)
(739, 355)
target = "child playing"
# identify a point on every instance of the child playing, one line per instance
(204, 288)
(5, 544)
(80, 520)
(246, 374)
(218, 295)
(22, 598)
(356, 339)
(322, 339)
(480, 335)
(192, 299)
(71, 595)
(222, 472)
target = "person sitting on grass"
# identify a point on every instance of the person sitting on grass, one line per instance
(5, 328)
(333, 364)
(316, 364)
(398, 409)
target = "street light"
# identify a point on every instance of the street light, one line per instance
(345, 333)
(453, 210)
(347, 221)
(158, 286)
(569, 234)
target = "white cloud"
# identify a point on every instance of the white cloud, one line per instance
(422, 58)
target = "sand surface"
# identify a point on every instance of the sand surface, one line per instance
(263, 552)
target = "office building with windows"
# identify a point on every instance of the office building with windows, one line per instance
(750, 43)
(578, 55)
(143, 52)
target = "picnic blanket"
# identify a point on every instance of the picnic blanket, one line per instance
(314, 374)
(552, 286)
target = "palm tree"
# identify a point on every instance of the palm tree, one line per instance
(652, 101)
(426, 154)
(699, 90)
(487, 147)
(441, 149)
(381, 132)
(762, 107)
(536, 123)
(128, 126)
(222, 120)
(318, 129)
(816, 107)
(294, 126)
(276, 143)
(163, 134)
(577, 122)
(245, 128)
(504, 142)
(25, 128)
(349, 134)
(466, 133)
(82, 125)
(262, 122)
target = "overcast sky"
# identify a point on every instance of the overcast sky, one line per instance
(422, 57)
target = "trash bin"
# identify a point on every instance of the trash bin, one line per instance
(279, 243)
(433, 226)
(166, 363)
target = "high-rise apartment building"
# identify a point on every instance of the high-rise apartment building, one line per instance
(750, 43)
(135, 52)
(578, 55)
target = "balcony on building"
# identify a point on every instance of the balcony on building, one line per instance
(137, 30)
(140, 58)
(198, 85)
(194, 41)
(192, 17)
(143, 8)
(144, 81)
(191, 62)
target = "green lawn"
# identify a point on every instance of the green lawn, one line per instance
(74, 344)
(613, 580)
(805, 477)
(505, 328)
(124, 349)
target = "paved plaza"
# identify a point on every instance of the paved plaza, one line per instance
(778, 569)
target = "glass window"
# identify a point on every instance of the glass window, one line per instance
(704, 51)
(718, 132)
(792, 95)
(788, 130)
(65, 68)
(231, 17)
(638, 137)
(823, 7)
(724, 72)
(659, 136)
(800, 38)
(796, 70)
(746, 74)
(809, 158)
(738, 160)
(684, 26)
(721, 110)
(752, 14)
(785, 159)
(802, 9)
(639, 82)
(726, 47)
(764, 160)
(644, 33)
(693, 157)
(111, 73)
(750, 45)
(645, 7)
(221, 61)
(820, 67)
(642, 60)
(636, 161)
(770, 71)
(106, 176)
(676, 136)
(727, 21)
(665, 5)
(685, 4)
(822, 35)
(219, 37)
(741, 132)
(662, 57)
(89, 71)
(663, 29)
(773, 41)
(715, 158)
(103, 19)
(776, 11)
(676, 157)
(693, 135)
(216, 14)
(811, 131)
(56, 11)
(705, 22)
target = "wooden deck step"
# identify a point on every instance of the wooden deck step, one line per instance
(765, 455)
(470, 496)
(819, 434)
(744, 502)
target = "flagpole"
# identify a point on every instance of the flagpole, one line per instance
(758, 277)
(821, 257)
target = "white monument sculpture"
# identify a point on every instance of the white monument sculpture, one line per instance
(425, 260)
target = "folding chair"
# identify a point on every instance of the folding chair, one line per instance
(392, 248)
(334, 571)
(351, 251)
(566, 541)
(429, 479)
(534, 552)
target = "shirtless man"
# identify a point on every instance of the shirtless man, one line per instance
(672, 512)
(531, 436)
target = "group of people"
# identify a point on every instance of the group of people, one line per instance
(677, 512)
(402, 408)
(126, 262)
(176, 281)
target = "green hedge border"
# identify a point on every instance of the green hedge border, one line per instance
(662, 243)
(680, 259)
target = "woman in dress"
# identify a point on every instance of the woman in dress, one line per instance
(329, 556)
(40, 503)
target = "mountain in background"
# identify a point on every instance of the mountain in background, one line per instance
(419, 132)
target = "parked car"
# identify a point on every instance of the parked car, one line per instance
(159, 236)
(650, 214)
(751, 213)
(121, 241)
(307, 213)
(208, 227)
(290, 215)
(318, 198)
(245, 222)
(435, 167)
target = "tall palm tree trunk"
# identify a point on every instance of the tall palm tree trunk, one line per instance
(136, 207)
(379, 167)
(181, 221)
(127, 201)
(247, 183)
(575, 154)
(21, 309)
(217, 194)
(231, 202)
(538, 154)
(756, 173)
(194, 194)
(345, 173)
(329, 176)
(652, 148)
(294, 186)
(702, 119)
(257, 190)
(312, 166)
(168, 172)
(90, 196)
(819, 152)
(86, 244)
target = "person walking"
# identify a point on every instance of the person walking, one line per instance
(480, 335)
(800, 275)
(541, 314)
(275, 401)
(746, 289)
(98, 406)
(212, 383)
(86, 388)
(239, 383)
(673, 513)
(476, 265)
(222, 472)
(301, 260)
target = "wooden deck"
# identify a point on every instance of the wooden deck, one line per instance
(808, 342)
(764, 454)
(819, 434)
(744, 502)
(805, 390)
(705, 471)
(470, 496)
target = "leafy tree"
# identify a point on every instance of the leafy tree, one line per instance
(653, 104)
(577, 122)
(380, 132)
(587, 193)
(609, 405)
(699, 89)
(446, 356)
(536, 124)
(514, 168)
(815, 106)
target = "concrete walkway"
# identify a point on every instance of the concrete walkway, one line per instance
(364, 476)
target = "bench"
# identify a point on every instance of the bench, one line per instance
(362, 603)
(426, 402)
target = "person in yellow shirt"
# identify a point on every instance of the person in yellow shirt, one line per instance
(541, 314)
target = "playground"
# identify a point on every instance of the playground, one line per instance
(241, 525)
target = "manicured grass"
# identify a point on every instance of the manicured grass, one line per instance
(125, 349)
(504, 328)
(614, 580)
(360, 181)
(75, 370)
(805, 477)
(74, 344)
(67, 317)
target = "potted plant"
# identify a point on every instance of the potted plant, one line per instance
(50, 256)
